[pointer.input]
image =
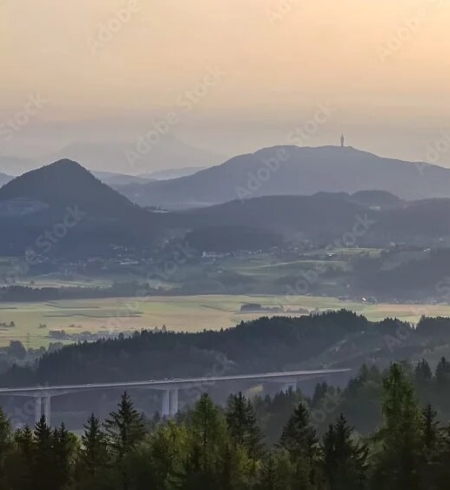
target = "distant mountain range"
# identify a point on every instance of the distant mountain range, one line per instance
(171, 173)
(112, 179)
(63, 208)
(129, 156)
(291, 170)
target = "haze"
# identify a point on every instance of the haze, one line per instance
(279, 60)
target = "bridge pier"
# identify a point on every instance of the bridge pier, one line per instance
(47, 410)
(37, 408)
(165, 411)
(291, 385)
(169, 403)
(173, 407)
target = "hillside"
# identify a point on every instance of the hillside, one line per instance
(291, 170)
(4, 179)
(64, 198)
(114, 179)
(380, 218)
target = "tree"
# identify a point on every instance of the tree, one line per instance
(243, 426)
(5, 445)
(274, 472)
(400, 433)
(93, 456)
(207, 438)
(300, 440)
(42, 467)
(124, 430)
(64, 444)
(22, 466)
(344, 461)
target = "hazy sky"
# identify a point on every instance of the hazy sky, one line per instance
(383, 66)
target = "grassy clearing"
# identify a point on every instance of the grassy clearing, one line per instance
(185, 313)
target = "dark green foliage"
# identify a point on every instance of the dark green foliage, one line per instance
(207, 448)
(124, 431)
(243, 426)
(344, 460)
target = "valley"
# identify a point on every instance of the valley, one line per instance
(39, 324)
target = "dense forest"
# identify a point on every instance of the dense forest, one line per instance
(208, 447)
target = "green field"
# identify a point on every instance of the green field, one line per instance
(183, 313)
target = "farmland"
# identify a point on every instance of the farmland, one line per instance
(33, 322)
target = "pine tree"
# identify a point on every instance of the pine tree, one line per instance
(64, 445)
(208, 436)
(42, 467)
(430, 430)
(401, 432)
(5, 445)
(22, 475)
(300, 440)
(299, 436)
(344, 461)
(274, 472)
(124, 430)
(93, 460)
(243, 426)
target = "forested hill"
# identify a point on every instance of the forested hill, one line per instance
(332, 339)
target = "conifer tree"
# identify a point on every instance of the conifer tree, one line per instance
(22, 474)
(274, 472)
(124, 430)
(344, 461)
(401, 432)
(42, 467)
(299, 439)
(243, 426)
(93, 458)
(64, 444)
(5, 445)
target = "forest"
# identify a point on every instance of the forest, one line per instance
(211, 447)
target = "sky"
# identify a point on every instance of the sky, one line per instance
(235, 75)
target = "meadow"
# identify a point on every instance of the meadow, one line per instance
(178, 313)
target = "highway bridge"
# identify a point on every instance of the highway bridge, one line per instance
(169, 387)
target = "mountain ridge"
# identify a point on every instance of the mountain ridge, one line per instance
(292, 170)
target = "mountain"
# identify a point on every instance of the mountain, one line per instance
(291, 170)
(323, 218)
(4, 179)
(172, 173)
(112, 156)
(62, 208)
(15, 165)
(112, 179)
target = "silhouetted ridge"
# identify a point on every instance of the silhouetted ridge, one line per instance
(43, 200)
(292, 170)
(65, 182)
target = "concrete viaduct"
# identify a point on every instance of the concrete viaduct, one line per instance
(169, 387)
